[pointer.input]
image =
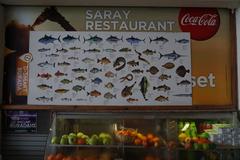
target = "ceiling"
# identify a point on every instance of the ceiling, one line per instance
(145, 3)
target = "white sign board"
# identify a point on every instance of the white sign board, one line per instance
(110, 68)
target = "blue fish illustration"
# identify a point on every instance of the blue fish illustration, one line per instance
(174, 56)
(97, 80)
(182, 41)
(93, 39)
(44, 49)
(46, 63)
(95, 70)
(132, 40)
(161, 39)
(114, 39)
(69, 39)
(48, 39)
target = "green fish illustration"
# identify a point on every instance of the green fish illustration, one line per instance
(144, 86)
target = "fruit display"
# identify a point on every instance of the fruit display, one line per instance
(60, 156)
(189, 137)
(82, 139)
(132, 136)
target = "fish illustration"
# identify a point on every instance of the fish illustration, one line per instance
(184, 82)
(94, 93)
(52, 55)
(109, 85)
(174, 56)
(183, 95)
(161, 39)
(48, 39)
(109, 95)
(94, 50)
(110, 74)
(114, 39)
(182, 41)
(78, 88)
(120, 63)
(133, 63)
(63, 50)
(168, 65)
(132, 40)
(104, 60)
(66, 99)
(44, 86)
(137, 71)
(153, 70)
(81, 99)
(128, 77)
(44, 49)
(66, 81)
(161, 98)
(61, 90)
(127, 91)
(110, 50)
(44, 75)
(79, 70)
(46, 63)
(64, 63)
(44, 99)
(93, 39)
(181, 71)
(81, 78)
(125, 50)
(164, 77)
(73, 58)
(141, 58)
(144, 87)
(74, 48)
(162, 88)
(88, 60)
(130, 100)
(97, 80)
(148, 52)
(69, 39)
(95, 70)
(59, 74)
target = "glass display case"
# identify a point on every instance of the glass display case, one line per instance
(143, 136)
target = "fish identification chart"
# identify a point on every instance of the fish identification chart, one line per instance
(110, 68)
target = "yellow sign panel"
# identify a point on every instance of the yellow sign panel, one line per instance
(209, 29)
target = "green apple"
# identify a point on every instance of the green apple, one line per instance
(196, 146)
(72, 139)
(205, 146)
(93, 140)
(80, 134)
(204, 135)
(55, 140)
(64, 140)
(85, 137)
(107, 141)
(72, 134)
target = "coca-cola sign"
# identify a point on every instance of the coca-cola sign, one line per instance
(202, 23)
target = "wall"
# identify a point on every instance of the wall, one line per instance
(238, 50)
(1, 64)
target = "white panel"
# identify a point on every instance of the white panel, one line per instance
(238, 50)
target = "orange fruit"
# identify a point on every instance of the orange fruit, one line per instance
(59, 156)
(51, 157)
(150, 136)
(137, 141)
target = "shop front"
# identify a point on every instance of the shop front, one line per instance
(120, 83)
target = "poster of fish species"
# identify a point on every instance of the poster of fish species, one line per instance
(110, 68)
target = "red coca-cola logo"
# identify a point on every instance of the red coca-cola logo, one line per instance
(202, 23)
